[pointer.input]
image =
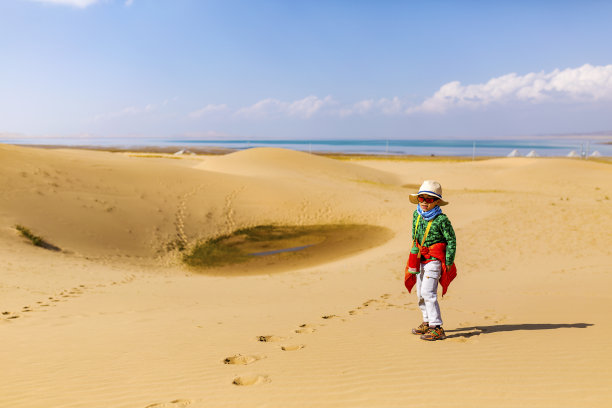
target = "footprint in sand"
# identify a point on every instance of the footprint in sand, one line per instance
(179, 403)
(371, 302)
(295, 347)
(6, 316)
(251, 380)
(329, 316)
(305, 328)
(270, 339)
(242, 360)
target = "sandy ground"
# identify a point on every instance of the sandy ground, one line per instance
(115, 320)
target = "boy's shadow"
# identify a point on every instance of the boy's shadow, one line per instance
(478, 330)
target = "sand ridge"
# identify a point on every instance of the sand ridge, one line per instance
(527, 318)
(283, 163)
(104, 204)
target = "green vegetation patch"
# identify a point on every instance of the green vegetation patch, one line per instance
(264, 233)
(267, 248)
(215, 252)
(35, 239)
(238, 246)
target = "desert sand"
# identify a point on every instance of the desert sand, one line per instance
(115, 319)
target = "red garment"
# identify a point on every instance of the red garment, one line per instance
(437, 251)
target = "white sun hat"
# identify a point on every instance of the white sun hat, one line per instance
(431, 188)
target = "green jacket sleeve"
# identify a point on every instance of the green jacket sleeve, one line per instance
(413, 247)
(415, 215)
(451, 241)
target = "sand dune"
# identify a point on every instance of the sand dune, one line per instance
(282, 163)
(114, 320)
(101, 204)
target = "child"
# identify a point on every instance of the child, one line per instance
(432, 257)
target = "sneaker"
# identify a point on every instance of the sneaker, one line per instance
(422, 329)
(435, 333)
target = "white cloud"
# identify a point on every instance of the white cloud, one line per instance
(385, 106)
(261, 109)
(390, 106)
(303, 108)
(73, 3)
(583, 84)
(208, 109)
(307, 107)
(128, 111)
(79, 3)
(158, 108)
(360, 108)
(167, 101)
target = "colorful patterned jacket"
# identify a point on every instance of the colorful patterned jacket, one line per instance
(441, 231)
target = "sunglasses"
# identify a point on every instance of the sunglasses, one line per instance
(427, 199)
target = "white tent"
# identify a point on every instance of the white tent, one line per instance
(532, 154)
(514, 153)
(596, 154)
(573, 154)
(184, 151)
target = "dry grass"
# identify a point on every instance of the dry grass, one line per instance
(410, 158)
(606, 160)
(35, 239)
(155, 156)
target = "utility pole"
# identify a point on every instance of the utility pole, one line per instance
(587, 149)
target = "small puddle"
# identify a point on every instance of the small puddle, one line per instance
(278, 251)
(252, 250)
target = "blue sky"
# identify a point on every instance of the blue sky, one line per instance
(304, 69)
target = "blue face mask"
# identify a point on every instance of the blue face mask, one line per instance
(431, 214)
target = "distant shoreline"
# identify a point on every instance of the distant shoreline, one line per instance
(219, 151)
(137, 149)
(379, 147)
(170, 151)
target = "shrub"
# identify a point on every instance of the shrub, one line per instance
(35, 239)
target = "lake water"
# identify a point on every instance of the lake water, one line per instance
(421, 147)
(542, 147)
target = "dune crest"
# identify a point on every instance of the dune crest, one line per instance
(277, 162)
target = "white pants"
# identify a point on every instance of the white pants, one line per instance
(427, 292)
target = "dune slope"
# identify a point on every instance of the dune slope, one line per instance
(102, 204)
(283, 163)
